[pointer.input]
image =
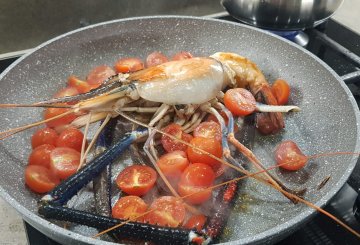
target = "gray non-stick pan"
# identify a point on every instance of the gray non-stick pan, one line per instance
(328, 120)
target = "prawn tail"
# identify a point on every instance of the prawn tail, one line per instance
(268, 122)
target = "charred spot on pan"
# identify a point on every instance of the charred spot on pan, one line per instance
(323, 183)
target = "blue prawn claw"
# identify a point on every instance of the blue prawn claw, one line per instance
(67, 189)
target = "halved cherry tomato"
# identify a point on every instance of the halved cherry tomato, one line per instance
(240, 101)
(195, 180)
(290, 156)
(99, 74)
(211, 146)
(170, 144)
(168, 211)
(40, 179)
(209, 130)
(64, 161)
(44, 136)
(41, 155)
(70, 137)
(196, 222)
(68, 91)
(136, 180)
(126, 65)
(129, 207)
(80, 85)
(155, 58)
(183, 55)
(172, 164)
(52, 112)
(281, 91)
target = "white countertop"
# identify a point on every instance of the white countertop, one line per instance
(11, 226)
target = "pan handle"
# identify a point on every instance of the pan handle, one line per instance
(354, 182)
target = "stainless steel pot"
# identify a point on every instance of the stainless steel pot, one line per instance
(282, 14)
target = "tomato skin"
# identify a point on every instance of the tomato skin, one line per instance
(210, 130)
(99, 74)
(70, 137)
(168, 211)
(44, 136)
(170, 144)
(136, 180)
(198, 174)
(183, 55)
(41, 155)
(129, 207)
(239, 101)
(126, 65)
(64, 161)
(290, 156)
(196, 222)
(211, 146)
(172, 164)
(80, 85)
(281, 91)
(155, 58)
(195, 180)
(198, 194)
(52, 112)
(40, 179)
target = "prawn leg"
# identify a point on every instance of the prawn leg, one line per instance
(134, 230)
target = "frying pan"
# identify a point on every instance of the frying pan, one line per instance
(328, 122)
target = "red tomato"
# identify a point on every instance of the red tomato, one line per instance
(70, 137)
(172, 164)
(155, 58)
(194, 181)
(99, 74)
(136, 180)
(209, 130)
(80, 85)
(170, 144)
(129, 207)
(168, 211)
(240, 101)
(68, 91)
(41, 155)
(40, 179)
(44, 136)
(281, 91)
(52, 112)
(196, 222)
(183, 55)
(289, 154)
(129, 65)
(64, 161)
(211, 146)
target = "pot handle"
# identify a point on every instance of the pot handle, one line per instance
(354, 182)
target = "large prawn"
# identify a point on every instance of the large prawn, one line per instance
(183, 92)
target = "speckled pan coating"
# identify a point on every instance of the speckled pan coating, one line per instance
(328, 120)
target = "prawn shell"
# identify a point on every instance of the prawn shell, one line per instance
(190, 81)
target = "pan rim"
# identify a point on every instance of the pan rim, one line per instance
(287, 227)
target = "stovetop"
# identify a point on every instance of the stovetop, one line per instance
(339, 47)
